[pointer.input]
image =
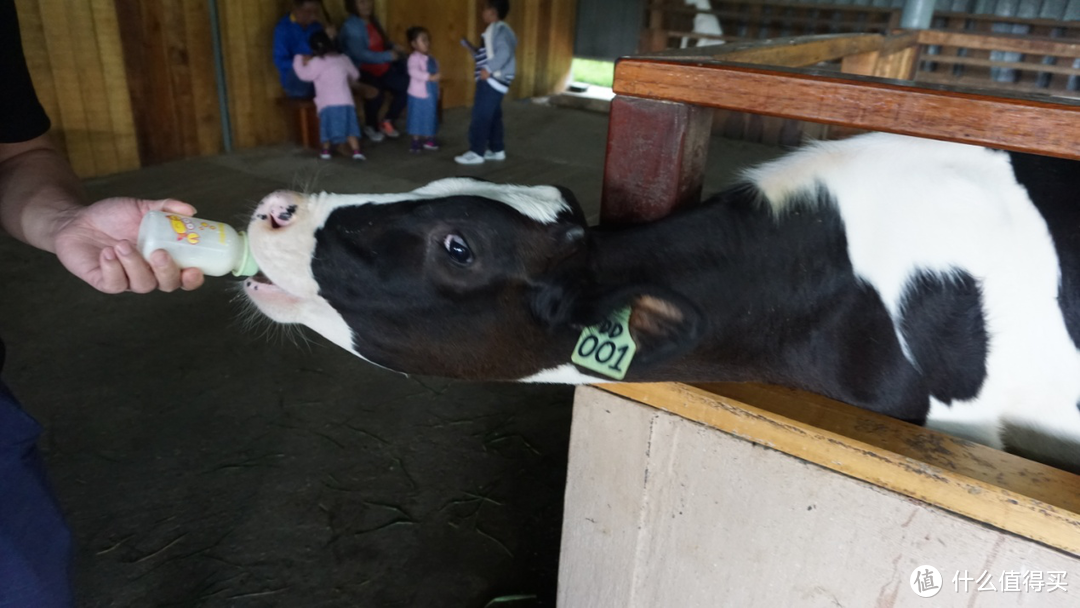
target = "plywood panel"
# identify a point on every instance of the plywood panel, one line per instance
(252, 79)
(200, 53)
(41, 69)
(75, 59)
(90, 77)
(662, 511)
(72, 113)
(115, 84)
(238, 77)
(448, 23)
(1023, 497)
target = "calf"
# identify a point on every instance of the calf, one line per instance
(933, 282)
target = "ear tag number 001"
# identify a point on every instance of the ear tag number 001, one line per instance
(607, 348)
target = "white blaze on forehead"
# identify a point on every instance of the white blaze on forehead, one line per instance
(540, 203)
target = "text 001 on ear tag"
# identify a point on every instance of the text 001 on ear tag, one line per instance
(607, 348)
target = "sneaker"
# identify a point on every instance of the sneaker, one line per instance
(358, 155)
(469, 158)
(325, 154)
(414, 147)
(500, 155)
(388, 129)
(373, 134)
(431, 145)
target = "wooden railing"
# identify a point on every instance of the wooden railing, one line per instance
(866, 87)
(663, 104)
(962, 49)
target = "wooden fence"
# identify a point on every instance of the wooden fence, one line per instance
(961, 49)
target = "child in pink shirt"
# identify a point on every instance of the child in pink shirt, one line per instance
(423, 91)
(332, 73)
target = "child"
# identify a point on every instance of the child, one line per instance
(423, 91)
(495, 67)
(332, 74)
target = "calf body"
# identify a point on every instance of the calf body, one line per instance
(930, 281)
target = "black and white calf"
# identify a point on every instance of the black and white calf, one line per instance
(930, 281)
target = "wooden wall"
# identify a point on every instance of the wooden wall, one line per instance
(129, 84)
(75, 57)
(167, 44)
(247, 32)
(545, 30)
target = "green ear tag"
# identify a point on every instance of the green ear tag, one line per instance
(607, 348)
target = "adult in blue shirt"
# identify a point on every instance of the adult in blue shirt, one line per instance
(291, 36)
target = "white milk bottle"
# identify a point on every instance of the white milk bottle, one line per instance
(213, 247)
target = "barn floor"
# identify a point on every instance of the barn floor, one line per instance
(205, 460)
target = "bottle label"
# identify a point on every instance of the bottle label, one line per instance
(194, 231)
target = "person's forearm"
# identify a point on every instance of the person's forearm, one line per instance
(38, 192)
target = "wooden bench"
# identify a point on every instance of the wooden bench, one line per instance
(750, 495)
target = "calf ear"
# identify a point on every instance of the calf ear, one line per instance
(663, 323)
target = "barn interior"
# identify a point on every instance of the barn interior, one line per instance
(206, 458)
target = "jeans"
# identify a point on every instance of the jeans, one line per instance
(486, 129)
(396, 81)
(35, 543)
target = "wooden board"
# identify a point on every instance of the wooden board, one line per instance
(663, 511)
(1011, 493)
(1021, 123)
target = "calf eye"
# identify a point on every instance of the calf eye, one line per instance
(458, 249)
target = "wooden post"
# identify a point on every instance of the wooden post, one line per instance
(655, 158)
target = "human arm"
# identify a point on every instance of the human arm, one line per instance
(304, 68)
(418, 67)
(355, 43)
(351, 71)
(42, 203)
(504, 45)
(283, 55)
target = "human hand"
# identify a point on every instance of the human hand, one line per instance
(330, 30)
(436, 77)
(98, 245)
(484, 74)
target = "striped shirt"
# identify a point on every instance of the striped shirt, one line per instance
(481, 58)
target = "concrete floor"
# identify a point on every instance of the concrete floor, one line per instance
(204, 459)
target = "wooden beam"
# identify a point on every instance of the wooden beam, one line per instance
(987, 485)
(986, 42)
(1012, 65)
(655, 159)
(1021, 123)
(788, 52)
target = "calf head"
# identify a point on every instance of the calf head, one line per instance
(434, 281)
(460, 278)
